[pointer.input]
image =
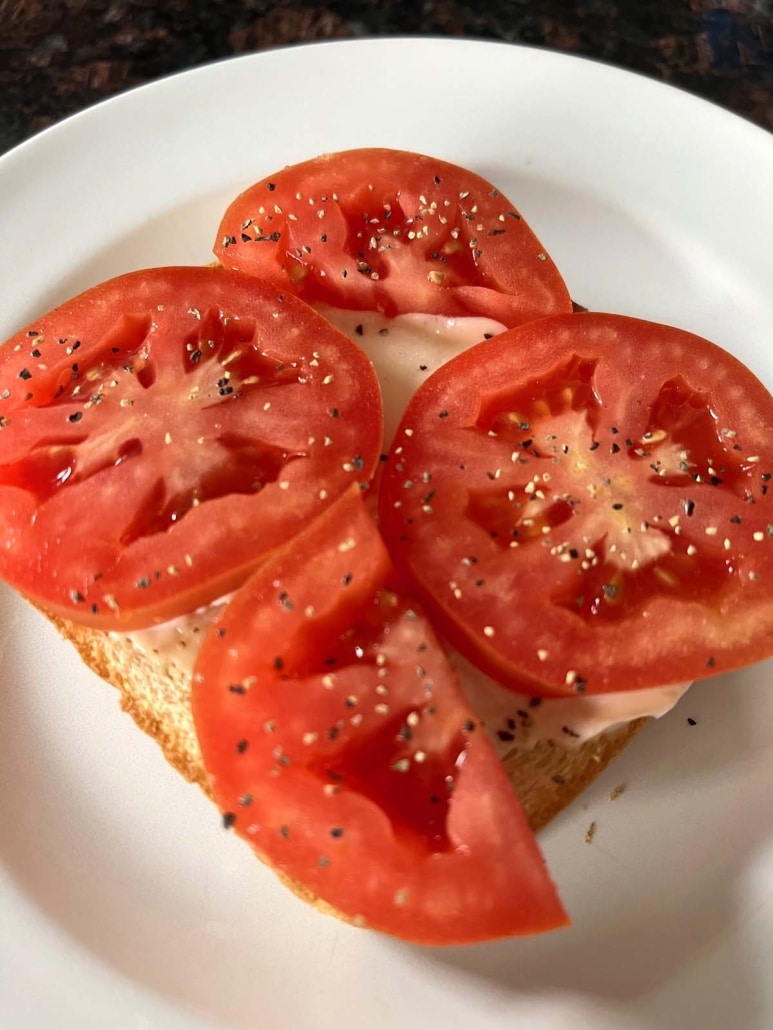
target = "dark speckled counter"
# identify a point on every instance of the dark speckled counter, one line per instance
(59, 57)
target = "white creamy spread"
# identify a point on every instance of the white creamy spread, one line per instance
(510, 719)
(404, 351)
(517, 719)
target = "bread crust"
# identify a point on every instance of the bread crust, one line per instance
(156, 694)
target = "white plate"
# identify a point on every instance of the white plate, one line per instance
(122, 903)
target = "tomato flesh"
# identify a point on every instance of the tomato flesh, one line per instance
(339, 744)
(395, 232)
(163, 431)
(583, 505)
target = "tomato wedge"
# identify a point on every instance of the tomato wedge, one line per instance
(339, 744)
(395, 232)
(161, 432)
(582, 504)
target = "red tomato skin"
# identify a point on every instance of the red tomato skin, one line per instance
(525, 599)
(317, 763)
(162, 432)
(395, 232)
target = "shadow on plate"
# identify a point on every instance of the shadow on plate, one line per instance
(669, 908)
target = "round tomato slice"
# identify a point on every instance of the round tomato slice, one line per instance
(583, 505)
(339, 744)
(394, 232)
(161, 432)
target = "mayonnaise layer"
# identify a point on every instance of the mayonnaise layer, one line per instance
(405, 350)
(510, 719)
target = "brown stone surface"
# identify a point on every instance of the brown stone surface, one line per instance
(61, 56)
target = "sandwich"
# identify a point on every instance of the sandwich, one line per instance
(554, 520)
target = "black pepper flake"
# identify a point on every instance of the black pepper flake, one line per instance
(442, 414)
(422, 368)
(229, 818)
(691, 721)
(710, 662)
(332, 733)
(436, 179)
(615, 448)
(488, 336)
(284, 832)
(617, 506)
(237, 688)
(359, 330)
(279, 662)
(242, 746)
(35, 353)
(505, 735)
(271, 186)
(594, 445)
(245, 800)
(286, 601)
(334, 413)
(383, 457)
(77, 596)
(25, 374)
(75, 417)
(496, 232)
(336, 831)
(323, 237)
(535, 702)
(347, 578)
(143, 583)
(569, 731)
(469, 726)
(689, 507)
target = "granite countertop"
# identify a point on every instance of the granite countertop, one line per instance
(61, 56)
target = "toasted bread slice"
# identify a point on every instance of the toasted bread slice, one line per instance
(156, 694)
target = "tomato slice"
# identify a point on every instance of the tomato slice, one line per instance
(582, 503)
(339, 744)
(163, 431)
(395, 232)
